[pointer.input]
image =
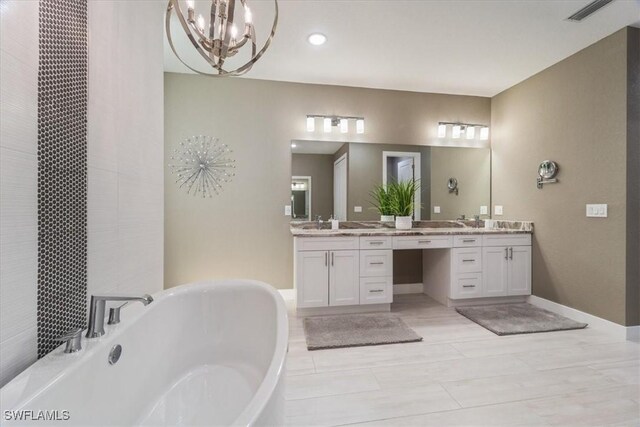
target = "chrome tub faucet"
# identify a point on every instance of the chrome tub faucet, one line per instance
(96, 311)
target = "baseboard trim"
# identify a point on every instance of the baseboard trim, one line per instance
(408, 288)
(631, 333)
(344, 309)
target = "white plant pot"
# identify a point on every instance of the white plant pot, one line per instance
(387, 218)
(403, 222)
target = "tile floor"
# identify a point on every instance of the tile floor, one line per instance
(464, 375)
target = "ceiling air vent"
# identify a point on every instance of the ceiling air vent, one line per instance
(589, 9)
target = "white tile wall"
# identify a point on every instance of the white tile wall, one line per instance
(18, 185)
(125, 158)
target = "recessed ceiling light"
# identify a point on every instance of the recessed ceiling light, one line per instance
(293, 145)
(317, 39)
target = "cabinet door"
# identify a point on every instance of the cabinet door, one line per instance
(520, 270)
(495, 272)
(344, 278)
(312, 278)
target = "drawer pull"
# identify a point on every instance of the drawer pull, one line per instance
(424, 241)
(376, 242)
(468, 286)
(376, 263)
(468, 260)
(468, 240)
(375, 291)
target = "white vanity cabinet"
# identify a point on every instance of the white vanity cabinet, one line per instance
(506, 265)
(327, 271)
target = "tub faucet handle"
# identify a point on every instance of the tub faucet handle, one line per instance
(73, 339)
(114, 315)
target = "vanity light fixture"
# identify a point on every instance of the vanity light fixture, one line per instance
(470, 132)
(328, 122)
(327, 125)
(468, 129)
(311, 124)
(217, 38)
(344, 126)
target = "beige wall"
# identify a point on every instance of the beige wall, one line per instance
(223, 237)
(320, 168)
(575, 113)
(472, 168)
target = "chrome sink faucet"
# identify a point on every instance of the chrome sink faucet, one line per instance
(319, 221)
(476, 218)
(96, 311)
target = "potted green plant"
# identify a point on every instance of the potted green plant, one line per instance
(381, 201)
(402, 195)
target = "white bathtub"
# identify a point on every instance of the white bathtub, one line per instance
(202, 354)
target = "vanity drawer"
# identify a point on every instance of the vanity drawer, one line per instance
(506, 240)
(467, 241)
(468, 285)
(376, 263)
(376, 290)
(467, 260)
(422, 242)
(326, 243)
(375, 242)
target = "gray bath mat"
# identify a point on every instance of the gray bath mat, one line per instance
(510, 319)
(354, 330)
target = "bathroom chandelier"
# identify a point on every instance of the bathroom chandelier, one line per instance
(466, 129)
(328, 122)
(218, 38)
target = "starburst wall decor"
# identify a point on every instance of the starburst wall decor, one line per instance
(202, 165)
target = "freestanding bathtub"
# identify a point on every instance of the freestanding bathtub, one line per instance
(202, 354)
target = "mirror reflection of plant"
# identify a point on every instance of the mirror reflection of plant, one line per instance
(402, 195)
(381, 200)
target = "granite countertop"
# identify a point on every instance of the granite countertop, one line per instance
(420, 228)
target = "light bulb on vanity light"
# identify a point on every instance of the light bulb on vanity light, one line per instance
(455, 131)
(344, 125)
(470, 132)
(311, 124)
(442, 130)
(484, 133)
(326, 125)
(360, 126)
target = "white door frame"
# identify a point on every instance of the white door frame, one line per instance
(346, 177)
(309, 190)
(416, 174)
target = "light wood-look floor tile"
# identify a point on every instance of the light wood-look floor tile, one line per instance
(464, 375)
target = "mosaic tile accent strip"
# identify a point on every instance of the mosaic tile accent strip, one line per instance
(62, 169)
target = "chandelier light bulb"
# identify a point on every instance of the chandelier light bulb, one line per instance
(442, 130)
(344, 125)
(484, 133)
(471, 132)
(190, 4)
(455, 131)
(248, 17)
(360, 126)
(201, 22)
(327, 125)
(311, 124)
(234, 32)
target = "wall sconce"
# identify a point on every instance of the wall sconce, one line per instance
(458, 129)
(328, 122)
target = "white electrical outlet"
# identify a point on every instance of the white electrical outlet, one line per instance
(287, 210)
(597, 211)
(497, 210)
(436, 209)
(484, 210)
(357, 208)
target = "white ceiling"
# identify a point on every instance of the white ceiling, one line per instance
(471, 47)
